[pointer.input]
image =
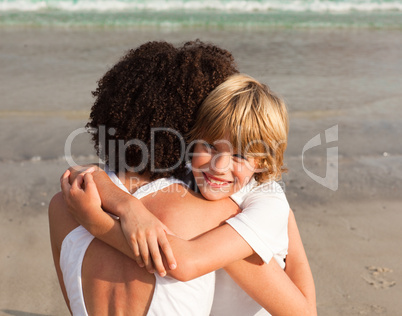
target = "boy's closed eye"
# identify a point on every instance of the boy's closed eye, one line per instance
(210, 146)
(236, 157)
(239, 158)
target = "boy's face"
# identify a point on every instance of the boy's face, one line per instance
(219, 170)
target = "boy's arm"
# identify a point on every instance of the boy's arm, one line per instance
(261, 227)
(289, 292)
(113, 199)
(208, 252)
(297, 265)
(255, 278)
(194, 260)
(218, 248)
(147, 233)
(269, 286)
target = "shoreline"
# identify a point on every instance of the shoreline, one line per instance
(203, 19)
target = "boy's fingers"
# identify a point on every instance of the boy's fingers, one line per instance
(156, 257)
(168, 252)
(74, 171)
(145, 256)
(79, 168)
(90, 170)
(89, 180)
(66, 174)
(139, 262)
(64, 182)
(78, 182)
(134, 246)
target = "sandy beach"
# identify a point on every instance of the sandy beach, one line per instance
(350, 79)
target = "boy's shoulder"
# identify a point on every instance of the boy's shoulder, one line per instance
(268, 189)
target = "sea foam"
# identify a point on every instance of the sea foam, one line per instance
(202, 5)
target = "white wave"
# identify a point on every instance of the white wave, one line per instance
(197, 5)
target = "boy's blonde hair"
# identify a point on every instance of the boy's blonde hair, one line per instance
(253, 118)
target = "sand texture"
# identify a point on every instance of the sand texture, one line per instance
(345, 78)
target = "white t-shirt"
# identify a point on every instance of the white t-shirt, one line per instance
(263, 223)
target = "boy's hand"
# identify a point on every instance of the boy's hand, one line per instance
(146, 235)
(77, 170)
(82, 197)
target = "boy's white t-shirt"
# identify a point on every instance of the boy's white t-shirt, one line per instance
(263, 223)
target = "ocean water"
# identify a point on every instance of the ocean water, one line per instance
(377, 14)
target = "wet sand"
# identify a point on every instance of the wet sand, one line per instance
(345, 78)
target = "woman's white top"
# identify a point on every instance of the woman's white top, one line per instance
(171, 297)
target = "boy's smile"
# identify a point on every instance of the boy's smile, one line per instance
(214, 181)
(218, 171)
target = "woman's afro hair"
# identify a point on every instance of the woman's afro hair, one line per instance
(150, 98)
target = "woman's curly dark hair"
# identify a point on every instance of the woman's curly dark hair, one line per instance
(154, 86)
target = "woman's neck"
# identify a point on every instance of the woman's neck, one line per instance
(133, 181)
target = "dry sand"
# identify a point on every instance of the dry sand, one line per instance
(349, 78)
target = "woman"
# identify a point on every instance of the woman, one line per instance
(190, 233)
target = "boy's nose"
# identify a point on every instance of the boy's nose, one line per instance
(221, 163)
